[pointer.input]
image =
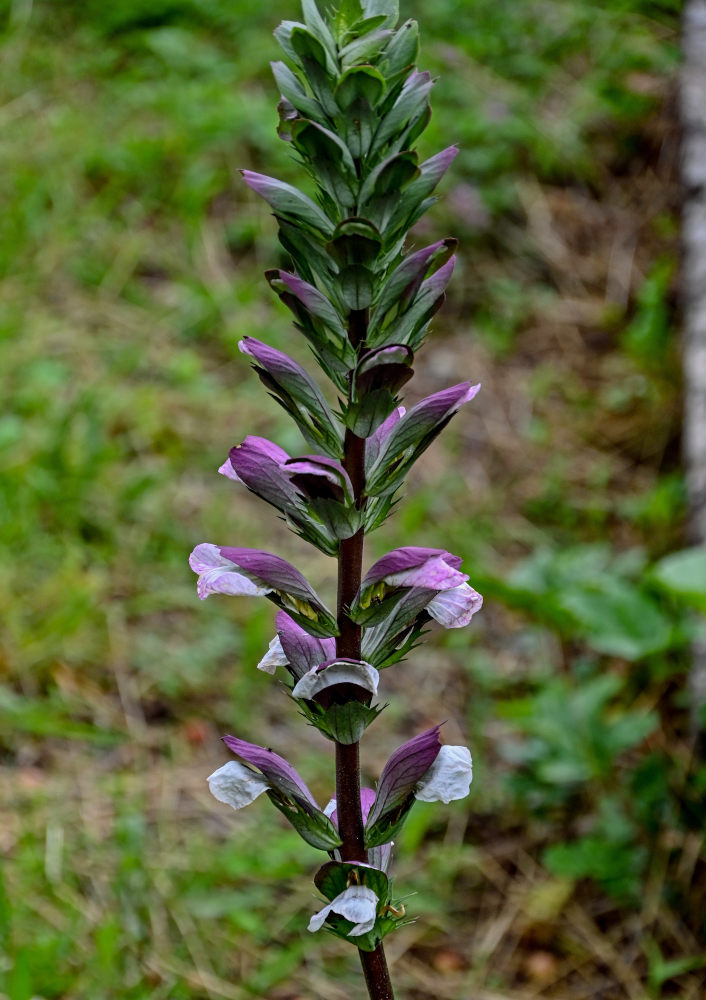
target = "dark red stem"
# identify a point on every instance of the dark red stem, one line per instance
(350, 569)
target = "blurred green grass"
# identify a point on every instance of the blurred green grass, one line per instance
(130, 264)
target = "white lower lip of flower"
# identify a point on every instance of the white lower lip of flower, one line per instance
(236, 785)
(229, 472)
(274, 657)
(454, 608)
(218, 575)
(357, 903)
(220, 580)
(448, 778)
(315, 680)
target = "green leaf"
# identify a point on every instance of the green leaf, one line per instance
(368, 46)
(365, 416)
(413, 99)
(661, 970)
(357, 286)
(328, 160)
(306, 251)
(321, 145)
(292, 203)
(283, 34)
(402, 51)
(291, 87)
(309, 48)
(348, 14)
(390, 8)
(617, 866)
(405, 280)
(684, 575)
(410, 325)
(344, 723)
(311, 825)
(388, 826)
(360, 83)
(355, 241)
(42, 718)
(617, 618)
(340, 520)
(413, 201)
(389, 178)
(314, 21)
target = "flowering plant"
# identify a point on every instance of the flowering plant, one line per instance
(352, 106)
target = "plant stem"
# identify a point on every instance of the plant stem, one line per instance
(377, 976)
(350, 569)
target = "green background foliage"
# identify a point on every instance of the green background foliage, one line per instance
(131, 264)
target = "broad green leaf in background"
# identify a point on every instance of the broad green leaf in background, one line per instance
(683, 574)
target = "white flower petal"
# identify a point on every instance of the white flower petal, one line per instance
(454, 608)
(225, 581)
(448, 778)
(229, 472)
(330, 808)
(357, 903)
(274, 657)
(236, 785)
(316, 680)
(218, 575)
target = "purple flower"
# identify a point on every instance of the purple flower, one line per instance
(454, 608)
(412, 435)
(313, 301)
(406, 279)
(376, 440)
(429, 415)
(334, 673)
(401, 775)
(413, 566)
(318, 477)
(288, 201)
(297, 392)
(433, 573)
(426, 769)
(367, 798)
(252, 572)
(237, 785)
(248, 453)
(384, 368)
(295, 649)
(258, 464)
(279, 773)
(292, 485)
(436, 166)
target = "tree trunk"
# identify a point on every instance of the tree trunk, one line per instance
(693, 113)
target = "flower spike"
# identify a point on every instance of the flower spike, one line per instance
(353, 104)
